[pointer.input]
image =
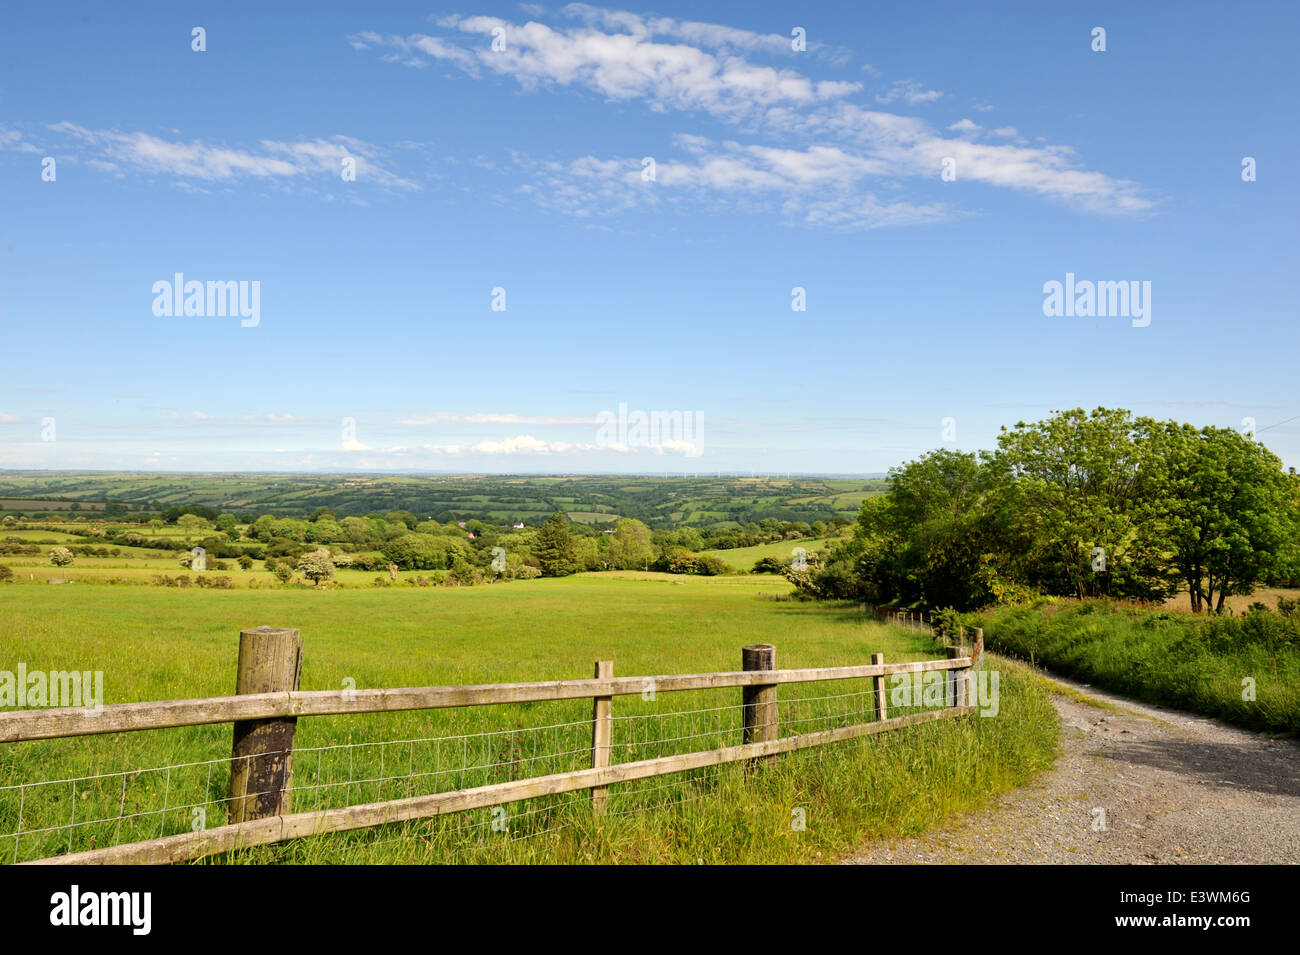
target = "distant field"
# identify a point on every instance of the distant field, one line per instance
(743, 558)
(592, 517)
(41, 535)
(700, 500)
(1239, 604)
(29, 504)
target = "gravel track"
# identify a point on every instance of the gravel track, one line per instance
(1174, 787)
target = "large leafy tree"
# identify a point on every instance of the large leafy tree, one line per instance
(555, 549)
(1075, 488)
(1228, 510)
(631, 546)
(935, 519)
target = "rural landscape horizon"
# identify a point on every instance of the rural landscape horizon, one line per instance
(526, 434)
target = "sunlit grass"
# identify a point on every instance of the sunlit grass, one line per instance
(160, 643)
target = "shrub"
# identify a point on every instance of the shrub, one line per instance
(709, 566)
(316, 566)
(683, 562)
(61, 557)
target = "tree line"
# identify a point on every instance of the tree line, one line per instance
(1082, 504)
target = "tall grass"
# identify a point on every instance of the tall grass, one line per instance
(160, 644)
(1206, 665)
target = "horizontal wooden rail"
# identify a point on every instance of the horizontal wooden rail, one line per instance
(260, 832)
(19, 725)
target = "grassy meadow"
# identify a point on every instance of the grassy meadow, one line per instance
(1242, 669)
(164, 643)
(743, 558)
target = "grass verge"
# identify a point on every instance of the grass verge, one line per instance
(1245, 670)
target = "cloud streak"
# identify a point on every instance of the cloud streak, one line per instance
(120, 152)
(820, 158)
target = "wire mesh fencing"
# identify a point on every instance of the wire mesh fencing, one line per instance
(339, 762)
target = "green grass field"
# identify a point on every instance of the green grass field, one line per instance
(162, 643)
(743, 558)
(1244, 670)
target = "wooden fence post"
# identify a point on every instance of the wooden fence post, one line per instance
(601, 721)
(954, 690)
(759, 713)
(882, 711)
(976, 664)
(261, 761)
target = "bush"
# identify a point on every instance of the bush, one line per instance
(682, 562)
(316, 566)
(709, 566)
(6, 572)
(61, 557)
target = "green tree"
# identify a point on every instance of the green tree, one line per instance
(1229, 510)
(630, 546)
(402, 517)
(61, 557)
(262, 529)
(588, 554)
(1076, 487)
(192, 523)
(424, 551)
(555, 550)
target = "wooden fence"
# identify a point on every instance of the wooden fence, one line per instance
(268, 703)
(923, 620)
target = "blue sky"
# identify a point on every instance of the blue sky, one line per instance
(376, 346)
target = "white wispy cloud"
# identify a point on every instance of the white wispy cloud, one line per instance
(714, 36)
(910, 92)
(528, 445)
(618, 66)
(116, 151)
(481, 417)
(820, 185)
(827, 159)
(13, 139)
